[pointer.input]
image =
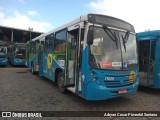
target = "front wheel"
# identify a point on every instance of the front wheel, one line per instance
(60, 82)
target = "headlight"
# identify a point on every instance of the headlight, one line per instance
(92, 73)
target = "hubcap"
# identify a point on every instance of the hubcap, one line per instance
(61, 81)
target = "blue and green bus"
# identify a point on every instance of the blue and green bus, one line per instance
(94, 56)
(149, 58)
(30, 53)
(16, 54)
(3, 53)
(31, 57)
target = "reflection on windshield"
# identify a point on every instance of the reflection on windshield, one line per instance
(130, 54)
(105, 55)
(111, 35)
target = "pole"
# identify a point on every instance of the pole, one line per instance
(12, 36)
(30, 30)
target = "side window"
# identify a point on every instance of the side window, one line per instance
(60, 42)
(49, 40)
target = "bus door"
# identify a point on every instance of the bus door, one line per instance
(40, 58)
(72, 60)
(146, 58)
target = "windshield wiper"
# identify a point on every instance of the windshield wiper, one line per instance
(125, 39)
(111, 35)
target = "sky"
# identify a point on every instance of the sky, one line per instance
(45, 15)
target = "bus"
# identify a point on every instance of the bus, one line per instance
(94, 56)
(3, 53)
(30, 53)
(149, 58)
(16, 54)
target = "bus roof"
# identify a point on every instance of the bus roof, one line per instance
(148, 35)
(74, 22)
(77, 20)
(18, 44)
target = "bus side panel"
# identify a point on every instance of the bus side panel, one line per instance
(31, 59)
(49, 67)
(46, 71)
(36, 62)
(156, 65)
(84, 72)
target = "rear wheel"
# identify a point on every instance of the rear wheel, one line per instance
(60, 83)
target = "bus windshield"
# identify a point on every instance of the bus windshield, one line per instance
(20, 52)
(113, 51)
(3, 51)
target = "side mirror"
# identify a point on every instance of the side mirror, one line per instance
(90, 36)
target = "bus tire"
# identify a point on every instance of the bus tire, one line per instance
(32, 69)
(60, 82)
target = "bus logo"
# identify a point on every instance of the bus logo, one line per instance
(132, 76)
(109, 78)
(49, 61)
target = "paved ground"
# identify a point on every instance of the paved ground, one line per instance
(22, 91)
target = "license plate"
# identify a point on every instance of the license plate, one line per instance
(122, 91)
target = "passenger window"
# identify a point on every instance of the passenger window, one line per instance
(49, 43)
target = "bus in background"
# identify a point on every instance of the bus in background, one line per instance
(94, 56)
(3, 53)
(149, 58)
(16, 53)
(32, 51)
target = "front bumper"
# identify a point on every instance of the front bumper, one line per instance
(99, 92)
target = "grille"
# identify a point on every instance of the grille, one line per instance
(119, 83)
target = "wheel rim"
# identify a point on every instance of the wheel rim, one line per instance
(61, 84)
